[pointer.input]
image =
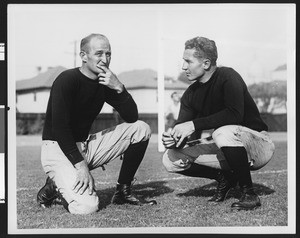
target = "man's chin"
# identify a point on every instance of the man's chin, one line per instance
(192, 79)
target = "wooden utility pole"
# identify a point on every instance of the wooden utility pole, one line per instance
(75, 52)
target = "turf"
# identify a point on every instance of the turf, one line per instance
(182, 201)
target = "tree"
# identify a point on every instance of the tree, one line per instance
(262, 92)
(267, 91)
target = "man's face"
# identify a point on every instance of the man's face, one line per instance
(176, 97)
(192, 66)
(99, 54)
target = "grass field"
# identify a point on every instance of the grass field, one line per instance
(182, 201)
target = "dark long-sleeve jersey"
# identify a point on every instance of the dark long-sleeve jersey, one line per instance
(223, 100)
(74, 103)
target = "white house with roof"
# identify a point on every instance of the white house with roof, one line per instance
(142, 85)
(280, 73)
(32, 94)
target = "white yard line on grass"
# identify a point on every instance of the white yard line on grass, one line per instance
(271, 172)
(161, 179)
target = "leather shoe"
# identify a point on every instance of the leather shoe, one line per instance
(248, 201)
(48, 195)
(123, 195)
(226, 182)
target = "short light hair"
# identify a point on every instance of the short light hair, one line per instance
(84, 44)
(205, 48)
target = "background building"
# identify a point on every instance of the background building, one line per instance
(32, 97)
(32, 94)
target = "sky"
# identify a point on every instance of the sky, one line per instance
(251, 38)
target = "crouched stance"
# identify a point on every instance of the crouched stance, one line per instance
(217, 101)
(128, 140)
(69, 152)
(246, 150)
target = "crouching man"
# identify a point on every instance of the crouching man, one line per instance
(218, 101)
(69, 152)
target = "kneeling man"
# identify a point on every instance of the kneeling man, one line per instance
(69, 152)
(218, 101)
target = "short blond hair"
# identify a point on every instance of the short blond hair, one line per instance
(84, 44)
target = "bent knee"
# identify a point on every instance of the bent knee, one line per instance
(173, 163)
(167, 163)
(87, 207)
(143, 129)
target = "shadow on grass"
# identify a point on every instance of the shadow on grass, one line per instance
(210, 189)
(143, 191)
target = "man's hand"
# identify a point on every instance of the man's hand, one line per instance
(109, 79)
(182, 131)
(84, 179)
(168, 140)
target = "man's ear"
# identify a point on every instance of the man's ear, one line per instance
(206, 63)
(83, 56)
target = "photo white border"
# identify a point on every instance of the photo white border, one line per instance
(12, 204)
(2, 164)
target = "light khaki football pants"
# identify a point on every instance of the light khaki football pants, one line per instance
(258, 145)
(98, 150)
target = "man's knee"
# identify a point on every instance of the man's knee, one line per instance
(142, 129)
(166, 162)
(172, 163)
(87, 205)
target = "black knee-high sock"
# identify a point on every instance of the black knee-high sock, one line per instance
(132, 159)
(237, 159)
(197, 170)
